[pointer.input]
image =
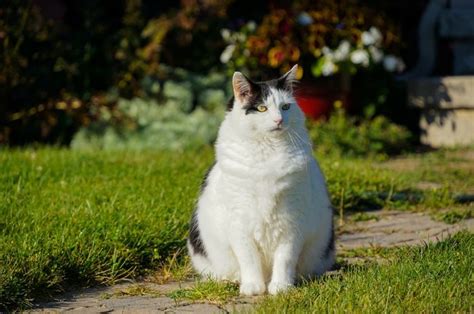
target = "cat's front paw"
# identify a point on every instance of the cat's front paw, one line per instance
(276, 287)
(252, 288)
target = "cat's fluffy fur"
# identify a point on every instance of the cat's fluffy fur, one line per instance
(264, 215)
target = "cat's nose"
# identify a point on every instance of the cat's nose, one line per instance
(278, 121)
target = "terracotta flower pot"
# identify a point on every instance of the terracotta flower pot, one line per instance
(317, 100)
(314, 105)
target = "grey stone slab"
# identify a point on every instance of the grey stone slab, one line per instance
(396, 229)
(199, 308)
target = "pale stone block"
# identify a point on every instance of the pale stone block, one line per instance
(449, 92)
(447, 128)
(447, 103)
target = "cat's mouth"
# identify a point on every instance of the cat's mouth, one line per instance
(277, 129)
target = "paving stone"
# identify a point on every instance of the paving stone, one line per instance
(396, 228)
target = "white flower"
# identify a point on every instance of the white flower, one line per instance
(376, 35)
(392, 64)
(227, 53)
(251, 26)
(225, 33)
(342, 52)
(360, 56)
(376, 54)
(371, 37)
(328, 53)
(328, 68)
(240, 37)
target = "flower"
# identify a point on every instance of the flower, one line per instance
(360, 56)
(376, 54)
(251, 26)
(225, 33)
(342, 52)
(276, 55)
(392, 64)
(227, 53)
(328, 68)
(371, 37)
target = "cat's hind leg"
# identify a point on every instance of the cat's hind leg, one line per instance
(217, 263)
(317, 257)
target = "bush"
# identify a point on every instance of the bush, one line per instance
(145, 124)
(347, 135)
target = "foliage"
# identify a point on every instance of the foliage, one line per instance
(298, 34)
(146, 125)
(59, 56)
(187, 115)
(345, 135)
(348, 58)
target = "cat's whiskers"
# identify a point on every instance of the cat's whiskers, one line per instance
(301, 145)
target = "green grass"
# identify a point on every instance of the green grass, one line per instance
(435, 278)
(85, 218)
(455, 215)
(82, 218)
(209, 291)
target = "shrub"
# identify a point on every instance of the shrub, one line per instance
(348, 135)
(146, 125)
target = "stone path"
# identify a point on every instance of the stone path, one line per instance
(388, 229)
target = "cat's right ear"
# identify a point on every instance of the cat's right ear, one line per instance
(242, 86)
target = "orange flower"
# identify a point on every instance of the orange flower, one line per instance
(276, 55)
(294, 53)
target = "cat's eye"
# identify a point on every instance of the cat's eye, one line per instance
(262, 108)
(285, 107)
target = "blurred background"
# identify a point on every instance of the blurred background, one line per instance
(144, 74)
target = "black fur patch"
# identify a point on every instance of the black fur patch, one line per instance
(194, 234)
(256, 97)
(258, 92)
(330, 245)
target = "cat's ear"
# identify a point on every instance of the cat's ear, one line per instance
(288, 80)
(243, 87)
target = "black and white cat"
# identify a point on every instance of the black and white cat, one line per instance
(264, 215)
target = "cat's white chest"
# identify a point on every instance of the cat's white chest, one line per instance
(270, 227)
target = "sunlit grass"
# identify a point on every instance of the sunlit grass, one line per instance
(209, 291)
(434, 278)
(82, 218)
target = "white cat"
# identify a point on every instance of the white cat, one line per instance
(264, 215)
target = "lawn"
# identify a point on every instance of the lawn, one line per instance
(70, 218)
(435, 278)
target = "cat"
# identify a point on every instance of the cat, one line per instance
(264, 214)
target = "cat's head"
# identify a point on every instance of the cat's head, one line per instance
(266, 108)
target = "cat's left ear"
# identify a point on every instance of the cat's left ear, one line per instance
(288, 80)
(243, 87)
